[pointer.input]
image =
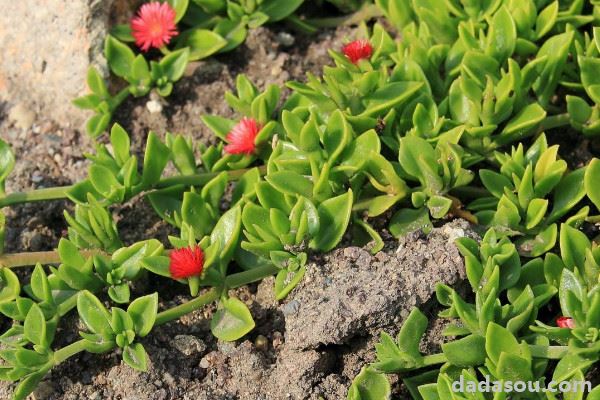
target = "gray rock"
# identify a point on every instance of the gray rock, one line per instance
(188, 344)
(351, 293)
(285, 39)
(43, 391)
(47, 48)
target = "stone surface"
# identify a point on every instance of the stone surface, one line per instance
(47, 47)
(351, 293)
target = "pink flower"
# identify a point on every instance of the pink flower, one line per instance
(186, 262)
(242, 136)
(358, 50)
(565, 322)
(154, 25)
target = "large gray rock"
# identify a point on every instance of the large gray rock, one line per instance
(349, 293)
(47, 47)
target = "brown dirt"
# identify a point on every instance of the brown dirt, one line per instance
(295, 352)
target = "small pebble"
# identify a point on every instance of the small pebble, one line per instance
(277, 339)
(291, 308)
(95, 396)
(37, 177)
(285, 39)
(261, 343)
(21, 116)
(154, 107)
(43, 391)
(204, 363)
(168, 378)
(187, 344)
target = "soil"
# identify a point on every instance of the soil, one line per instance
(308, 347)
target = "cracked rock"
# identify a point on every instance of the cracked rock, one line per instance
(350, 292)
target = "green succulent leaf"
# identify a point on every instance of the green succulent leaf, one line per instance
(93, 313)
(202, 43)
(35, 326)
(232, 320)
(591, 179)
(370, 385)
(143, 312)
(135, 356)
(119, 56)
(180, 7)
(334, 216)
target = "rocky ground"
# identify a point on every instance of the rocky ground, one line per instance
(308, 347)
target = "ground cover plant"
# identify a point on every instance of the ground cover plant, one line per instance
(452, 113)
(181, 32)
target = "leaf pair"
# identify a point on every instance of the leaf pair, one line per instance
(118, 327)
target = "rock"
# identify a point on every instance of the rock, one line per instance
(285, 39)
(351, 293)
(261, 343)
(43, 391)
(298, 373)
(50, 46)
(154, 106)
(95, 396)
(21, 116)
(188, 344)
(37, 177)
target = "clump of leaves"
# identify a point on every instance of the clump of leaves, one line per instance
(531, 192)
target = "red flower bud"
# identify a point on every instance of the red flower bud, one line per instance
(154, 25)
(186, 262)
(358, 50)
(242, 136)
(565, 322)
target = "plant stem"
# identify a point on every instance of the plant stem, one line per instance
(555, 121)
(120, 97)
(457, 210)
(365, 13)
(54, 193)
(67, 305)
(201, 179)
(57, 193)
(42, 257)
(52, 257)
(185, 308)
(69, 351)
(231, 282)
(243, 278)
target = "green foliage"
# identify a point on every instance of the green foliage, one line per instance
(118, 327)
(93, 227)
(528, 183)
(113, 175)
(205, 28)
(232, 320)
(425, 125)
(7, 163)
